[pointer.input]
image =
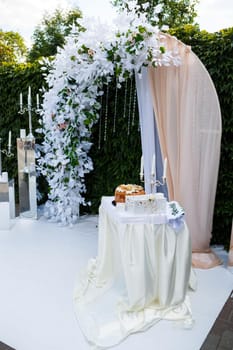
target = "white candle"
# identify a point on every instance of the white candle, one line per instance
(21, 99)
(153, 165)
(37, 101)
(141, 168)
(9, 139)
(165, 168)
(29, 96)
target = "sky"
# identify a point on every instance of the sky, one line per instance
(23, 15)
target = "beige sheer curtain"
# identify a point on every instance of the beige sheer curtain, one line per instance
(188, 119)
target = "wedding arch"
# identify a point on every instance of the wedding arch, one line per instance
(179, 93)
(92, 56)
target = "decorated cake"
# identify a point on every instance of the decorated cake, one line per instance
(146, 204)
(127, 190)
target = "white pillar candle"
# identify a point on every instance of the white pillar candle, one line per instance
(29, 96)
(21, 99)
(153, 165)
(141, 168)
(9, 139)
(165, 168)
(37, 101)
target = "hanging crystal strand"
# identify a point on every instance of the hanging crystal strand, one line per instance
(115, 109)
(134, 105)
(100, 122)
(106, 115)
(130, 102)
(125, 98)
(139, 124)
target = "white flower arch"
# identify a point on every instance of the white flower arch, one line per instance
(90, 58)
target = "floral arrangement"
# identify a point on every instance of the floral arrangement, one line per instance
(93, 55)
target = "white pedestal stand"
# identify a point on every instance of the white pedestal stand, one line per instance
(27, 177)
(7, 202)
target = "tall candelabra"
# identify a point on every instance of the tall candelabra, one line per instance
(26, 162)
(29, 109)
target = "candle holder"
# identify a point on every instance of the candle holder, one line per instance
(153, 182)
(29, 109)
(7, 153)
(156, 183)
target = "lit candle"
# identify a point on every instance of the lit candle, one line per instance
(165, 168)
(37, 101)
(153, 165)
(9, 140)
(141, 169)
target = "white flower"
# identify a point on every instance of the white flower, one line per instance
(74, 84)
(158, 8)
(145, 5)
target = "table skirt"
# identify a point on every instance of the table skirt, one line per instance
(140, 276)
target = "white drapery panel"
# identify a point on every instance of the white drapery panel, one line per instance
(149, 134)
(147, 124)
(188, 119)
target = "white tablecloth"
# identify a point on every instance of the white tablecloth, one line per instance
(141, 275)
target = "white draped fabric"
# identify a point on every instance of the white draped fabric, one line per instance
(149, 135)
(141, 275)
(147, 123)
(188, 120)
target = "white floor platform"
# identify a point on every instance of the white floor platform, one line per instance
(39, 265)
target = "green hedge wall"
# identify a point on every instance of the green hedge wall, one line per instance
(116, 149)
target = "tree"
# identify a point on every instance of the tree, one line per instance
(175, 13)
(52, 32)
(12, 47)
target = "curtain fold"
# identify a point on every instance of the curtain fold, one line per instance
(147, 124)
(188, 120)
